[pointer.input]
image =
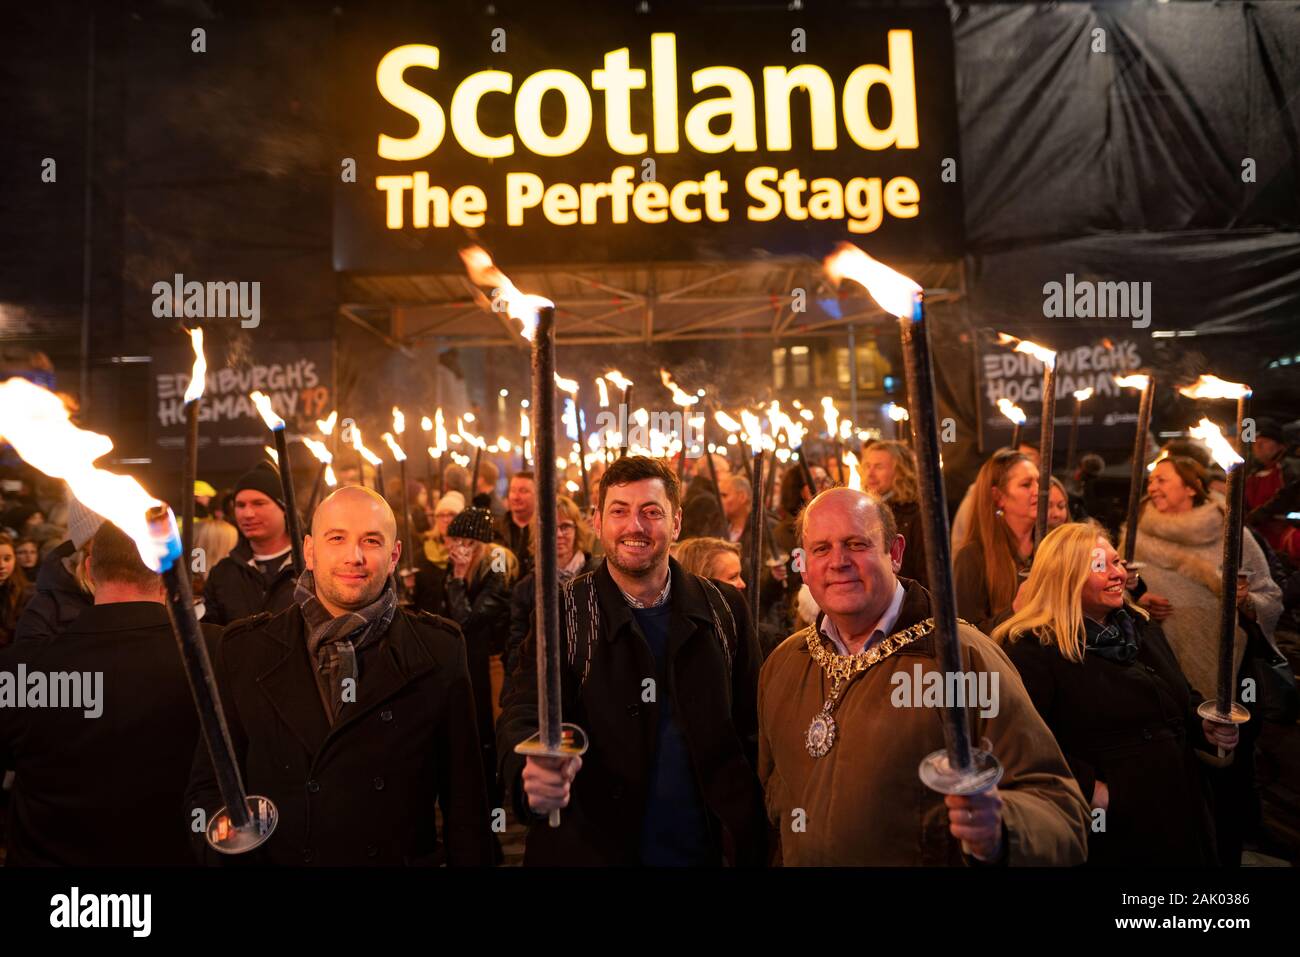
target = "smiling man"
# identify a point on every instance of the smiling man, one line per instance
(839, 746)
(257, 575)
(660, 668)
(353, 715)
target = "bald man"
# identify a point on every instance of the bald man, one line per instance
(354, 715)
(848, 708)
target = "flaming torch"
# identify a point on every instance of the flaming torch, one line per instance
(1017, 417)
(326, 474)
(1223, 710)
(625, 409)
(1137, 480)
(190, 469)
(686, 401)
(1212, 387)
(899, 415)
(754, 433)
(1047, 426)
(276, 425)
(35, 422)
(831, 416)
(572, 387)
(537, 314)
(1080, 397)
(959, 768)
(365, 455)
(395, 446)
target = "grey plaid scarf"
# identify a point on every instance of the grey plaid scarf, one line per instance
(333, 641)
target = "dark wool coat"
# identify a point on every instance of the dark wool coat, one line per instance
(79, 778)
(364, 791)
(1133, 725)
(236, 588)
(713, 679)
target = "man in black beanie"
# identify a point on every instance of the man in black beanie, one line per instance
(258, 573)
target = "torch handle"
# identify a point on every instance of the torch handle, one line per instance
(290, 506)
(1046, 438)
(546, 577)
(1137, 476)
(190, 469)
(756, 514)
(938, 547)
(203, 687)
(1228, 600)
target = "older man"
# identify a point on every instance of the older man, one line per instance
(842, 730)
(353, 715)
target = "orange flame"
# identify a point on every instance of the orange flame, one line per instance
(893, 292)
(616, 377)
(1134, 381)
(263, 403)
(326, 426)
(399, 421)
(318, 449)
(1083, 395)
(753, 430)
(1224, 454)
(1040, 352)
(1011, 411)
(1212, 387)
(566, 385)
(35, 422)
(483, 272)
(900, 414)
(680, 396)
(393, 447)
(854, 480)
(726, 421)
(199, 372)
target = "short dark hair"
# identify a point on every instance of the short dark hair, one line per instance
(524, 474)
(636, 468)
(888, 523)
(114, 558)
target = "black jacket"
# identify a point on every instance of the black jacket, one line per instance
(1134, 726)
(702, 516)
(58, 599)
(522, 602)
(236, 587)
(107, 790)
(909, 519)
(362, 792)
(713, 686)
(515, 538)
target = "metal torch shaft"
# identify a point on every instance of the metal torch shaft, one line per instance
(1073, 443)
(546, 580)
(1137, 477)
(189, 474)
(290, 506)
(1228, 599)
(407, 548)
(755, 540)
(1046, 435)
(203, 687)
(934, 512)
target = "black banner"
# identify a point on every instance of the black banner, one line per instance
(298, 376)
(1106, 419)
(645, 141)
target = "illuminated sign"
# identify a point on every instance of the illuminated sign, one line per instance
(713, 137)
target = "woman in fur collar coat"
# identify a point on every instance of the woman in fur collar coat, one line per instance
(1180, 542)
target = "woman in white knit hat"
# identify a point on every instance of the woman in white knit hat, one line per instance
(435, 541)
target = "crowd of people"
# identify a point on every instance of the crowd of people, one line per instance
(397, 672)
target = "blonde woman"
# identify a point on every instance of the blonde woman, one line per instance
(1105, 680)
(711, 558)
